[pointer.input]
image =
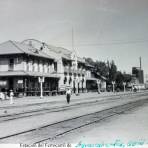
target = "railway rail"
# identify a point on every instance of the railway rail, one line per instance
(44, 110)
(46, 133)
(53, 102)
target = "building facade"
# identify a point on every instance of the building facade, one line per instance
(23, 64)
(137, 72)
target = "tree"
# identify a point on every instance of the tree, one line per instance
(109, 70)
(127, 77)
(90, 61)
(112, 71)
(102, 68)
(119, 80)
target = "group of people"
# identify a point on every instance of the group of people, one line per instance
(3, 96)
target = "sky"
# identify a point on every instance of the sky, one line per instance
(102, 29)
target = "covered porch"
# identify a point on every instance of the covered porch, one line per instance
(28, 84)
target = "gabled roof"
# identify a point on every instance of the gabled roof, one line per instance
(12, 47)
(9, 48)
(48, 49)
(51, 50)
(65, 53)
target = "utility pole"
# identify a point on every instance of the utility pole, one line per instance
(75, 63)
(113, 83)
(98, 83)
(74, 51)
(72, 40)
(41, 81)
(124, 83)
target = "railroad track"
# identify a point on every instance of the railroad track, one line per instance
(46, 133)
(37, 112)
(53, 102)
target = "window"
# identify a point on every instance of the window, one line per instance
(55, 66)
(11, 64)
(27, 63)
(65, 80)
(33, 65)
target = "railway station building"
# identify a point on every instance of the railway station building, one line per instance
(24, 64)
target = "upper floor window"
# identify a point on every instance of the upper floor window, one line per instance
(55, 66)
(27, 63)
(11, 64)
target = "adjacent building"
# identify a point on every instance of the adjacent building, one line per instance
(138, 75)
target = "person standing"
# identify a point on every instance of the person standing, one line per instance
(68, 95)
(98, 87)
(11, 97)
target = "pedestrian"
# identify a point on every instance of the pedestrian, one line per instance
(0, 95)
(135, 89)
(68, 95)
(11, 97)
(98, 89)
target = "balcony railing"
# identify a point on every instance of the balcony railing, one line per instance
(72, 70)
(11, 67)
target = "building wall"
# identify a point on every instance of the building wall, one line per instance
(18, 82)
(4, 64)
(30, 64)
(60, 67)
(72, 76)
(18, 63)
(77, 75)
(40, 65)
(35, 65)
(88, 74)
(139, 74)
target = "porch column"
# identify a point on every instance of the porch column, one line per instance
(41, 81)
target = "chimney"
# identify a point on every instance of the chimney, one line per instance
(140, 63)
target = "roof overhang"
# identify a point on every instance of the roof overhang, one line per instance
(92, 79)
(23, 73)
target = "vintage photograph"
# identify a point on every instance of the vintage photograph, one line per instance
(74, 73)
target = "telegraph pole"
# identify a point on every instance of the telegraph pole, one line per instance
(41, 81)
(72, 40)
(74, 50)
(75, 62)
(124, 83)
(113, 83)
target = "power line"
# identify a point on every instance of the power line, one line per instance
(111, 43)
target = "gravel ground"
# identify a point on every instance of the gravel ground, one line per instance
(130, 127)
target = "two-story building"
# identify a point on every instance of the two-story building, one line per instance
(22, 64)
(70, 68)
